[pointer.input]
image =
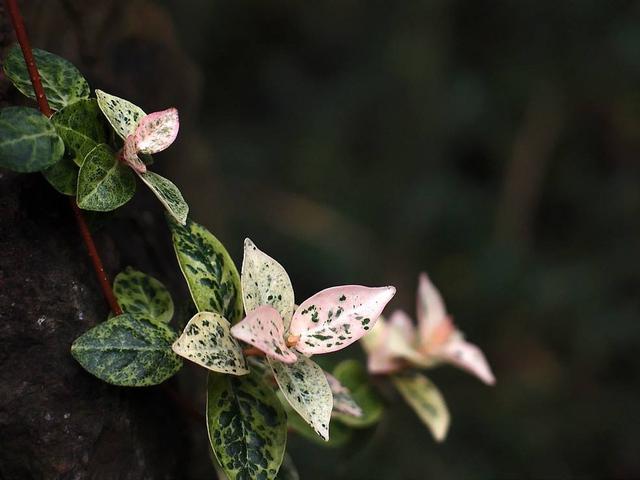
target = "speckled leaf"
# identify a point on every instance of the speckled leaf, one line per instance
(128, 352)
(28, 140)
(353, 376)
(63, 176)
(156, 131)
(121, 114)
(343, 402)
(307, 390)
(168, 194)
(142, 296)
(81, 126)
(247, 426)
(63, 83)
(104, 184)
(206, 340)
(211, 275)
(263, 328)
(338, 316)
(265, 282)
(130, 155)
(426, 400)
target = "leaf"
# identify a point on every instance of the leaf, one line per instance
(263, 328)
(206, 340)
(81, 127)
(28, 141)
(63, 83)
(210, 273)
(431, 312)
(63, 176)
(338, 316)
(127, 351)
(353, 376)
(265, 282)
(247, 426)
(168, 194)
(157, 131)
(104, 184)
(426, 400)
(307, 390)
(343, 402)
(121, 114)
(467, 356)
(142, 296)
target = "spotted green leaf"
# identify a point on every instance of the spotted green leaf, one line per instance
(247, 426)
(265, 282)
(210, 273)
(104, 184)
(168, 194)
(81, 126)
(63, 175)
(307, 390)
(28, 140)
(354, 376)
(142, 296)
(121, 114)
(127, 351)
(426, 400)
(63, 83)
(206, 340)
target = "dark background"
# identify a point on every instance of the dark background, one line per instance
(492, 144)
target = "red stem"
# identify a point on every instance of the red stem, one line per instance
(43, 105)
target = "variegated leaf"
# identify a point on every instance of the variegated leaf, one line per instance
(156, 131)
(130, 155)
(338, 316)
(211, 275)
(247, 426)
(343, 402)
(206, 340)
(307, 390)
(263, 328)
(121, 114)
(434, 324)
(352, 375)
(63, 176)
(168, 194)
(142, 296)
(426, 400)
(466, 356)
(265, 282)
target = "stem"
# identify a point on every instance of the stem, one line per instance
(43, 105)
(253, 352)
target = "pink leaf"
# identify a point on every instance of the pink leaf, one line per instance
(431, 313)
(343, 402)
(130, 155)
(336, 317)
(156, 131)
(263, 328)
(467, 356)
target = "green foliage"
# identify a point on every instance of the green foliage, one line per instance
(121, 114)
(168, 194)
(63, 84)
(104, 183)
(142, 296)
(247, 426)
(210, 273)
(28, 140)
(354, 376)
(81, 127)
(128, 351)
(63, 175)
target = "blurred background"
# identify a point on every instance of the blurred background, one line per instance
(494, 145)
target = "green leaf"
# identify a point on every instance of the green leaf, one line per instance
(426, 400)
(207, 341)
(63, 176)
(121, 114)
(307, 390)
(168, 194)
(104, 183)
(127, 351)
(354, 376)
(28, 141)
(210, 273)
(142, 296)
(81, 127)
(247, 426)
(63, 83)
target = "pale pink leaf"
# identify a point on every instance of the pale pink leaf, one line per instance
(130, 155)
(379, 359)
(430, 310)
(263, 328)
(156, 131)
(467, 356)
(343, 402)
(338, 316)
